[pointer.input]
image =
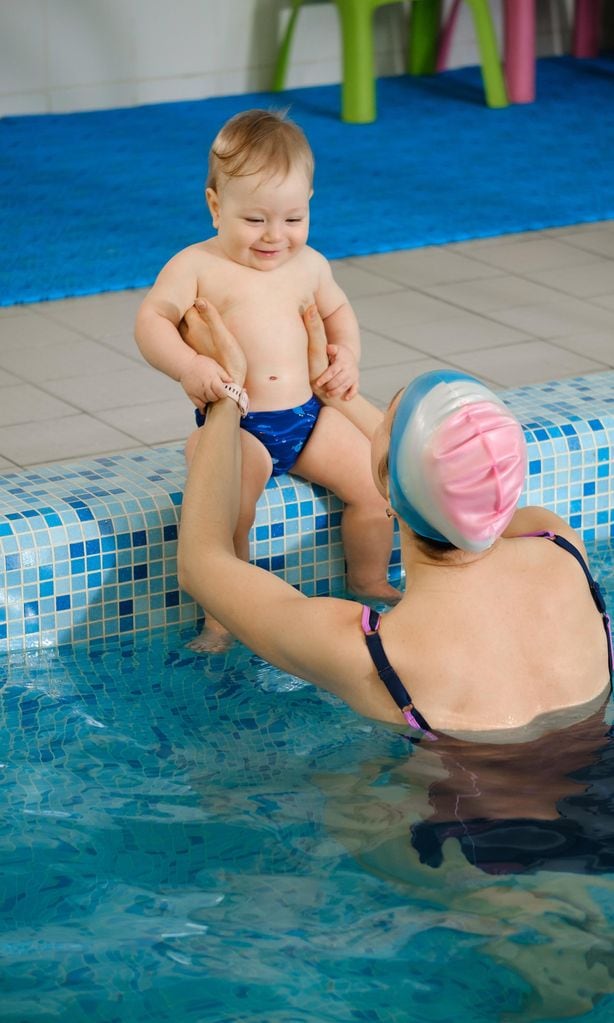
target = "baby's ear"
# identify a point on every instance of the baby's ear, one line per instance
(213, 203)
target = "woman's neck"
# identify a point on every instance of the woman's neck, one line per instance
(416, 558)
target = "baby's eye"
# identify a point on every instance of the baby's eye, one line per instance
(253, 220)
(294, 220)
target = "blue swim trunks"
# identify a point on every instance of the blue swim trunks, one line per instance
(283, 432)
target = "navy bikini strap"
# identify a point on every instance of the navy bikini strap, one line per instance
(594, 586)
(385, 670)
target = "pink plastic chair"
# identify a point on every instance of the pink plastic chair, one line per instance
(586, 26)
(519, 41)
(519, 47)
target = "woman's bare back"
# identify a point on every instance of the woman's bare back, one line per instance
(495, 642)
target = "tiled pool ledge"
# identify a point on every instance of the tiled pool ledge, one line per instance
(88, 549)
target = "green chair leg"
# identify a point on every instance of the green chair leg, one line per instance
(424, 24)
(358, 99)
(283, 56)
(358, 80)
(492, 75)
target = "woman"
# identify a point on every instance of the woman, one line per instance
(498, 631)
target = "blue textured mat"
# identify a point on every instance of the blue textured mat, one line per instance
(98, 201)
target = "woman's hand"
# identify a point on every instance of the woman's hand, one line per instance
(316, 346)
(365, 416)
(203, 329)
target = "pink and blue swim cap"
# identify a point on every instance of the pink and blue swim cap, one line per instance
(457, 460)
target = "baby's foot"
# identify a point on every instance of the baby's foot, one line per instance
(380, 591)
(213, 639)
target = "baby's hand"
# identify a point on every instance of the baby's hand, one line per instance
(204, 380)
(341, 377)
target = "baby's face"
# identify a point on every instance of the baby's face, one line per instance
(262, 222)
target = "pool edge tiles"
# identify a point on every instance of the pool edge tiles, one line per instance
(88, 548)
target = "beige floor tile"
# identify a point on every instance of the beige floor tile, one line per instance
(106, 390)
(7, 379)
(599, 240)
(381, 384)
(26, 404)
(381, 312)
(380, 351)
(154, 423)
(560, 232)
(95, 316)
(525, 257)
(598, 346)
(125, 344)
(493, 293)
(58, 439)
(7, 311)
(473, 244)
(33, 331)
(567, 317)
(530, 362)
(604, 301)
(6, 466)
(357, 282)
(53, 362)
(419, 268)
(460, 332)
(590, 279)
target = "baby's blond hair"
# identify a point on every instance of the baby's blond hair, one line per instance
(258, 141)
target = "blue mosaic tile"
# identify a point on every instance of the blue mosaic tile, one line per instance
(88, 549)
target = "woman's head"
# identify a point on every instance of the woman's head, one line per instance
(456, 460)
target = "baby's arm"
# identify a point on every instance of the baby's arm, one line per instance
(342, 334)
(159, 340)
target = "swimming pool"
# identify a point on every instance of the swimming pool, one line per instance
(207, 840)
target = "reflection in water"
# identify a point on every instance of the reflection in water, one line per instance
(525, 806)
(536, 820)
(188, 840)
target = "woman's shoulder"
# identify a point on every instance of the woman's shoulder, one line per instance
(535, 519)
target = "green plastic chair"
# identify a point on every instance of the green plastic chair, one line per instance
(358, 103)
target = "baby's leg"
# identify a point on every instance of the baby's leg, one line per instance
(256, 469)
(338, 456)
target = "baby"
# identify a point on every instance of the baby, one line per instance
(260, 274)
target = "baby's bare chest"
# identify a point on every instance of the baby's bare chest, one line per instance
(263, 309)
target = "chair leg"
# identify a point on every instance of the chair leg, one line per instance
(492, 75)
(358, 104)
(445, 37)
(519, 61)
(586, 26)
(283, 54)
(424, 25)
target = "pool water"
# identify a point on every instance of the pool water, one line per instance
(207, 840)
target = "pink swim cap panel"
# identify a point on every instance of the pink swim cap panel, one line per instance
(477, 458)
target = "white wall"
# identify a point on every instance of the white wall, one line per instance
(63, 55)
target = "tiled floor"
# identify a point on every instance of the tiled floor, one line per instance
(513, 310)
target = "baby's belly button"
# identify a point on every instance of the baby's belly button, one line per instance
(273, 391)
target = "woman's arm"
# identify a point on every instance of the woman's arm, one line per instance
(365, 416)
(301, 635)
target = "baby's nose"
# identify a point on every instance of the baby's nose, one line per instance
(273, 231)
